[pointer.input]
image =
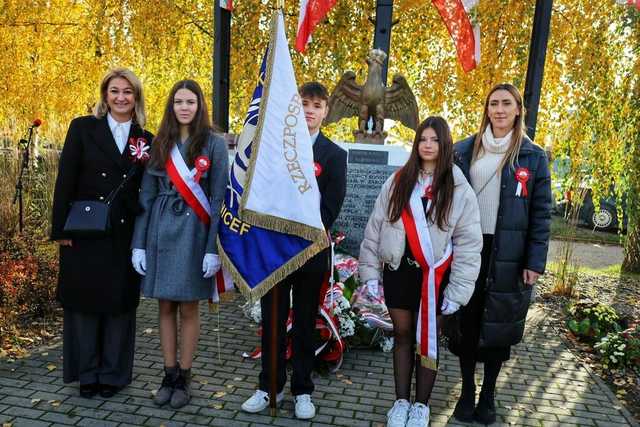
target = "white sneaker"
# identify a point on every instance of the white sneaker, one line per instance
(304, 407)
(418, 415)
(397, 416)
(260, 401)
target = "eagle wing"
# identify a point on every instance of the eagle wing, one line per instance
(400, 103)
(345, 99)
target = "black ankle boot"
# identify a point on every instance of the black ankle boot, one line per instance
(465, 406)
(182, 389)
(485, 412)
(164, 393)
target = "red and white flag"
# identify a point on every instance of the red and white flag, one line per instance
(227, 4)
(458, 17)
(635, 3)
(223, 283)
(311, 13)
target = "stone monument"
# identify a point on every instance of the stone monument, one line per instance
(368, 167)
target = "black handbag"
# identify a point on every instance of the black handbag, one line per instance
(90, 218)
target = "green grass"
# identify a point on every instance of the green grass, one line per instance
(561, 230)
(611, 270)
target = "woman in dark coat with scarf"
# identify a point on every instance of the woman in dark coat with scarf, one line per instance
(97, 286)
(510, 176)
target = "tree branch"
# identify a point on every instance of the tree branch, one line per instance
(197, 24)
(33, 24)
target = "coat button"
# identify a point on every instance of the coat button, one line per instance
(188, 214)
(124, 175)
(122, 221)
(104, 175)
(101, 198)
(504, 185)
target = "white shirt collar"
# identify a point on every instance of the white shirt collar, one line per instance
(113, 123)
(314, 137)
(120, 138)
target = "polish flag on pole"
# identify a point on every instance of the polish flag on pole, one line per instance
(311, 13)
(635, 3)
(227, 4)
(458, 17)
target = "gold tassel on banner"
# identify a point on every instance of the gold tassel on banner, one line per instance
(427, 362)
(214, 307)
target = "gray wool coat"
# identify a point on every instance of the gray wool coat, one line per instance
(174, 238)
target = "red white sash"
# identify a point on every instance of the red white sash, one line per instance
(417, 229)
(182, 178)
(223, 283)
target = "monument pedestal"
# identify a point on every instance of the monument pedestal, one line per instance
(368, 167)
(369, 138)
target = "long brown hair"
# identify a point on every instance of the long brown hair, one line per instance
(442, 185)
(511, 155)
(169, 132)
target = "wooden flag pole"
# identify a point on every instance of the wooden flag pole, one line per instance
(273, 365)
(273, 357)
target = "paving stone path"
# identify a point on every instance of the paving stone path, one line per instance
(593, 255)
(542, 385)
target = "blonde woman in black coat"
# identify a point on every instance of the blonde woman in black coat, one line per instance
(97, 286)
(510, 176)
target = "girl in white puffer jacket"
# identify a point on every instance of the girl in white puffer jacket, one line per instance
(423, 240)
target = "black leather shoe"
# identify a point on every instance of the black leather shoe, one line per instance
(89, 390)
(485, 412)
(108, 391)
(465, 407)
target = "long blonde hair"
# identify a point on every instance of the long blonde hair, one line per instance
(102, 108)
(511, 155)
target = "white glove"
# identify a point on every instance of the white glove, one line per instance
(139, 261)
(373, 288)
(449, 307)
(210, 265)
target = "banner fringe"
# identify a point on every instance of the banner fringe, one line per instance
(253, 295)
(280, 225)
(427, 362)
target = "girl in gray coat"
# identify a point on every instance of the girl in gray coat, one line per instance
(423, 240)
(175, 237)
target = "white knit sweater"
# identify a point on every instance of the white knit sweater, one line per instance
(485, 178)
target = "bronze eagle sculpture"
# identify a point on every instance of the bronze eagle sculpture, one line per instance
(373, 102)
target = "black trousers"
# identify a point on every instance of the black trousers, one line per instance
(471, 318)
(306, 294)
(98, 348)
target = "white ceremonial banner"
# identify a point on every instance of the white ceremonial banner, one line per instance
(281, 180)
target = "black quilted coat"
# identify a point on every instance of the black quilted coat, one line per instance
(521, 241)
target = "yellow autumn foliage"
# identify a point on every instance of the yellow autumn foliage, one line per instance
(54, 53)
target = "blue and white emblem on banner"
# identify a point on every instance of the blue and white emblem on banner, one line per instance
(270, 219)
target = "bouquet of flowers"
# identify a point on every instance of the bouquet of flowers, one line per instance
(348, 316)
